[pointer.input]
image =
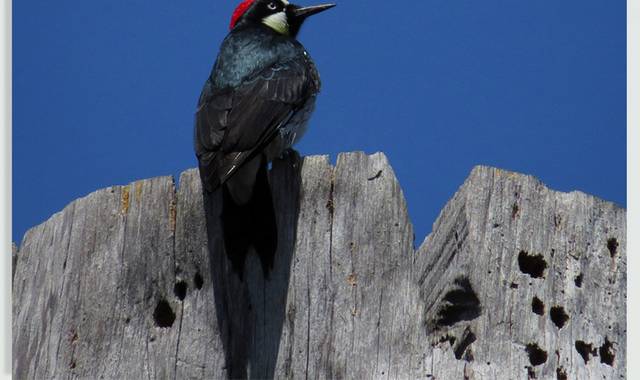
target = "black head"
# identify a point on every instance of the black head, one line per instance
(279, 15)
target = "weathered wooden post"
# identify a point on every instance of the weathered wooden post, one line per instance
(515, 281)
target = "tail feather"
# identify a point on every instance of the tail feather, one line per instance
(252, 224)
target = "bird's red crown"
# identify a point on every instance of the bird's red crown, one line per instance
(240, 10)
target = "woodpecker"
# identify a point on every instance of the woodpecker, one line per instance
(254, 106)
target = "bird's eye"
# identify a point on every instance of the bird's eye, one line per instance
(272, 5)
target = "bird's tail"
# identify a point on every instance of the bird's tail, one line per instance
(250, 223)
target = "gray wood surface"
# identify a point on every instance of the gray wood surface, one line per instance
(516, 281)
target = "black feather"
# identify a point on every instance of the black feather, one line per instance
(255, 105)
(252, 224)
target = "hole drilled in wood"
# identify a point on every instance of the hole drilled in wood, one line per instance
(198, 281)
(578, 280)
(585, 350)
(537, 355)
(180, 290)
(607, 356)
(558, 316)
(612, 245)
(459, 304)
(467, 338)
(163, 315)
(561, 374)
(533, 265)
(537, 306)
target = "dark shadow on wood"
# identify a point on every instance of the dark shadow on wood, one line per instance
(251, 314)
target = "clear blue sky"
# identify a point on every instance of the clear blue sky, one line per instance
(105, 91)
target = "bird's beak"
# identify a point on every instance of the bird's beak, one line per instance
(305, 12)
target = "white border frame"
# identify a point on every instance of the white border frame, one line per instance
(633, 185)
(5, 189)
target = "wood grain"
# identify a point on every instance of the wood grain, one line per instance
(516, 281)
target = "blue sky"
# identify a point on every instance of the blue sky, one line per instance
(104, 93)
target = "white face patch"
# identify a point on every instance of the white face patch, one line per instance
(278, 22)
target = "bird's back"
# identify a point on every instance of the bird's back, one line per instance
(248, 50)
(259, 97)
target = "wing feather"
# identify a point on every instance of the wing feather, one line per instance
(233, 125)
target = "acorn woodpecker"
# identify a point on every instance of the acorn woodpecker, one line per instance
(254, 106)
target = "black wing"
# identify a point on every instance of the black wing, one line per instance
(233, 125)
